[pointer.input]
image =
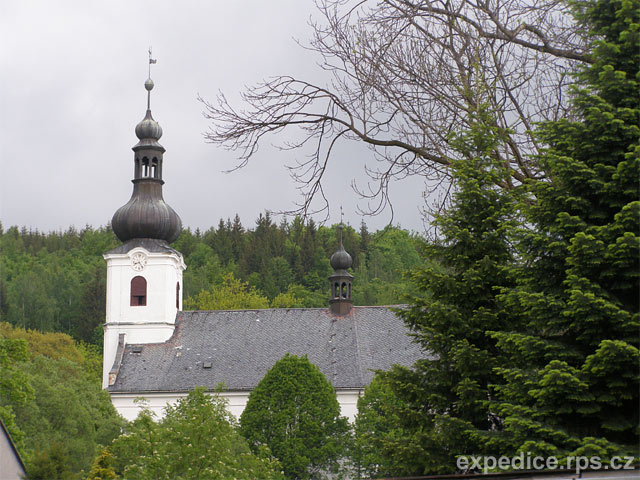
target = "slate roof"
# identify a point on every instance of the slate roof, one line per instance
(237, 347)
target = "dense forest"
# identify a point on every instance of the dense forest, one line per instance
(55, 282)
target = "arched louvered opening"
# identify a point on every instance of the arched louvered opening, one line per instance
(138, 291)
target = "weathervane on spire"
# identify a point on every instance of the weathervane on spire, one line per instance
(151, 62)
(341, 223)
(149, 83)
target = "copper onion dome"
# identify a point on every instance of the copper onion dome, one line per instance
(146, 214)
(341, 260)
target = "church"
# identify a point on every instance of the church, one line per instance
(154, 349)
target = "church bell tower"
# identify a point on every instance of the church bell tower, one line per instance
(144, 274)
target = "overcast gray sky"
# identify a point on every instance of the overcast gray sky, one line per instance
(71, 93)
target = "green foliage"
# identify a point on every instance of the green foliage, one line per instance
(54, 282)
(70, 409)
(571, 380)
(195, 439)
(58, 404)
(379, 272)
(415, 421)
(52, 345)
(532, 327)
(294, 412)
(233, 294)
(52, 463)
(15, 389)
(379, 432)
(103, 467)
(298, 296)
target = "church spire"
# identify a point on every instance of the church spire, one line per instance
(341, 280)
(147, 215)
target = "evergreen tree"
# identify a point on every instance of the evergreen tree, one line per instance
(571, 380)
(294, 411)
(441, 402)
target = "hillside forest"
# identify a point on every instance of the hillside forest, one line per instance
(55, 281)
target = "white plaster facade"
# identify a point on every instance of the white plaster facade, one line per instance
(150, 323)
(127, 407)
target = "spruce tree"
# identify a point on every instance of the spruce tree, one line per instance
(570, 386)
(441, 404)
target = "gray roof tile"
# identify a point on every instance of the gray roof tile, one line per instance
(241, 345)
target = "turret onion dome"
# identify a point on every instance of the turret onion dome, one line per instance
(341, 260)
(148, 128)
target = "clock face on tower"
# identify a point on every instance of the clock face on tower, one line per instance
(138, 261)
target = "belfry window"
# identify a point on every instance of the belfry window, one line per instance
(178, 295)
(138, 291)
(145, 167)
(154, 168)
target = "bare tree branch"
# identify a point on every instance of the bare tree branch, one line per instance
(405, 75)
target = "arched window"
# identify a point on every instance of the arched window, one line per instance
(178, 295)
(137, 168)
(336, 290)
(154, 167)
(145, 167)
(138, 291)
(344, 290)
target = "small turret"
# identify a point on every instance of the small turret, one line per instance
(341, 280)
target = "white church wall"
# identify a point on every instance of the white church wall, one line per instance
(150, 323)
(127, 407)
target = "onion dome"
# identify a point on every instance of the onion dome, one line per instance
(148, 128)
(146, 214)
(341, 260)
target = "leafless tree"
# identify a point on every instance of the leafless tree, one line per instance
(405, 74)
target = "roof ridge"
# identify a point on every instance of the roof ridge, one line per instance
(397, 305)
